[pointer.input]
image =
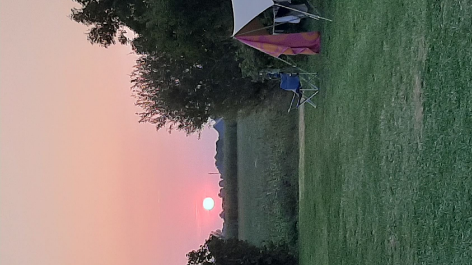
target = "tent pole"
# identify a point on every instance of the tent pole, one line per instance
(273, 24)
(295, 66)
(305, 13)
(254, 30)
(287, 62)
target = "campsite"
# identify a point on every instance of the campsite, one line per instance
(374, 169)
(385, 158)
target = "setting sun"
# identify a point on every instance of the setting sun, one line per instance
(208, 204)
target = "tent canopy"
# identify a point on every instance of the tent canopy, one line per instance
(307, 43)
(246, 10)
(250, 31)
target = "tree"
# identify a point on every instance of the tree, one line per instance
(187, 71)
(109, 19)
(194, 28)
(219, 251)
(179, 94)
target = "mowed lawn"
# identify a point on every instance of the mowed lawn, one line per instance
(385, 175)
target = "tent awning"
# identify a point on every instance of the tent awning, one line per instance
(246, 10)
(250, 31)
(289, 44)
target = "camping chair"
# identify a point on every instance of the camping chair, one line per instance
(292, 82)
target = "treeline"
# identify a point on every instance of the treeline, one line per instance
(217, 250)
(189, 69)
(229, 183)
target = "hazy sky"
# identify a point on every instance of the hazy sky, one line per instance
(81, 181)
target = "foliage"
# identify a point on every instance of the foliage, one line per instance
(219, 251)
(187, 71)
(195, 29)
(184, 95)
(169, 93)
(109, 19)
(252, 62)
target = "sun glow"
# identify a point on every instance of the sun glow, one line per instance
(208, 204)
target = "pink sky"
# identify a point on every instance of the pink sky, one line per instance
(81, 181)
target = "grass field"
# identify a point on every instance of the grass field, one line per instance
(387, 156)
(268, 173)
(230, 160)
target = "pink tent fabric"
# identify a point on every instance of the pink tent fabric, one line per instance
(288, 44)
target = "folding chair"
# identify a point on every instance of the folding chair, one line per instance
(291, 82)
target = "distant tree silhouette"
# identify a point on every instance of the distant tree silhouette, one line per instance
(220, 251)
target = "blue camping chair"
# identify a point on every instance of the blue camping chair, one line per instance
(292, 82)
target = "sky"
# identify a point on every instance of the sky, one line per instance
(81, 181)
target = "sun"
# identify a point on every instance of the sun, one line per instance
(208, 203)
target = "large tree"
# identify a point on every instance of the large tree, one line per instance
(220, 251)
(183, 94)
(187, 71)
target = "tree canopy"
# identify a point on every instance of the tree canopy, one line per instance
(188, 70)
(194, 28)
(183, 95)
(109, 18)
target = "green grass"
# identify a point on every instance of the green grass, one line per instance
(388, 153)
(230, 160)
(268, 173)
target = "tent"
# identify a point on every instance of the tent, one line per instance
(250, 31)
(288, 44)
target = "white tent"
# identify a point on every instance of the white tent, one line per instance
(246, 10)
